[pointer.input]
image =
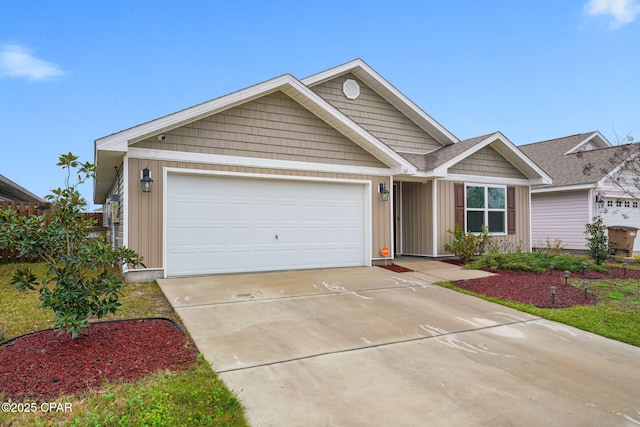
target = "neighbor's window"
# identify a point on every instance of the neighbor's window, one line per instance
(486, 206)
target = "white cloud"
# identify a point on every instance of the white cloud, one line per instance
(622, 11)
(17, 61)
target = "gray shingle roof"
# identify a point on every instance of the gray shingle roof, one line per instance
(438, 157)
(577, 168)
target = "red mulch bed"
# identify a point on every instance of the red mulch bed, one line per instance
(395, 268)
(533, 288)
(43, 365)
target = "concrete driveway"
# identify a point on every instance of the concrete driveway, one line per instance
(369, 347)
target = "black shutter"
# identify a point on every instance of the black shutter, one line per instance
(459, 196)
(511, 210)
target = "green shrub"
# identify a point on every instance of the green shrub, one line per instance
(598, 240)
(467, 245)
(537, 262)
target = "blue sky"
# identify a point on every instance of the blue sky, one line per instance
(72, 72)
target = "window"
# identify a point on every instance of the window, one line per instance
(618, 203)
(627, 204)
(485, 206)
(635, 204)
(609, 203)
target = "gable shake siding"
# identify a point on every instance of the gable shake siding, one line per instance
(561, 215)
(377, 116)
(487, 162)
(273, 127)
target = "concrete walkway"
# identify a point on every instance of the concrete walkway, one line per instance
(369, 347)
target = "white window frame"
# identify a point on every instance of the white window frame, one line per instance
(486, 209)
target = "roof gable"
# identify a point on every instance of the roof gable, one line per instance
(110, 149)
(571, 163)
(441, 163)
(273, 126)
(376, 115)
(387, 91)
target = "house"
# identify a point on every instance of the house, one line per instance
(323, 171)
(583, 168)
(12, 192)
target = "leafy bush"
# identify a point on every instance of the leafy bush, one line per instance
(598, 240)
(81, 269)
(467, 245)
(537, 262)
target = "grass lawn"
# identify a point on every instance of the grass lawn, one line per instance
(195, 397)
(616, 316)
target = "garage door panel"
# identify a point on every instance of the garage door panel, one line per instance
(230, 224)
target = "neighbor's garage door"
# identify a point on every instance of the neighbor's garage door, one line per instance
(222, 224)
(623, 212)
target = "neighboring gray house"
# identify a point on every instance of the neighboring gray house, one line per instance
(10, 191)
(580, 166)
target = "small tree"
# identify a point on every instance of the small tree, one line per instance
(81, 280)
(598, 241)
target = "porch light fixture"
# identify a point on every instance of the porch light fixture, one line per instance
(384, 192)
(600, 201)
(553, 293)
(145, 180)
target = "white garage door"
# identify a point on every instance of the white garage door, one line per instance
(223, 224)
(623, 212)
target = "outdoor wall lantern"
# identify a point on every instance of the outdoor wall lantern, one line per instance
(553, 294)
(145, 180)
(600, 201)
(384, 192)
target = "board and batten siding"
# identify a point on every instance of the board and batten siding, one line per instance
(446, 217)
(146, 209)
(377, 116)
(487, 162)
(273, 127)
(563, 216)
(416, 218)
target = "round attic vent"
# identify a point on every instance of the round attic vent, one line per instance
(351, 89)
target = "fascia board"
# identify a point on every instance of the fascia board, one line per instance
(490, 180)
(552, 189)
(257, 162)
(119, 141)
(385, 89)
